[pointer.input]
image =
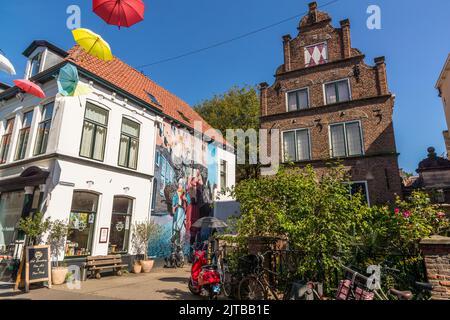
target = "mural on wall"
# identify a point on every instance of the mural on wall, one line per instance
(183, 189)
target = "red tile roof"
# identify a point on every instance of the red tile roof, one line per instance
(137, 84)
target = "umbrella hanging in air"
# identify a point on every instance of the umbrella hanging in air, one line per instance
(6, 65)
(67, 80)
(92, 43)
(30, 87)
(81, 90)
(121, 13)
(209, 222)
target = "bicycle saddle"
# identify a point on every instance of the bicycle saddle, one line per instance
(424, 286)
(402, 295)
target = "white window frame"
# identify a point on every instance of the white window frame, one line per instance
(334, 81)
(295, 90)
(345, 133)
(314, 45)
(282, 144)
(367, 188)
(43, 53)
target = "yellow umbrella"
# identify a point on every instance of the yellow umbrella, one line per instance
(92, 43)
(81, 90)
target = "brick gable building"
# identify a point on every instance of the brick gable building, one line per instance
(330, 105)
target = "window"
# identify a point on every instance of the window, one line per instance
(35, 65)
(223, 174)
(298, 100)
(129, 144)
(6, 141)
(44, 129)
(359, 187)
(81, 224)
(120, 225)
(11, 205)
(338, 91)
(95, 127)
(296, 145)
(158, 158)
(346, 139)
(24, 136)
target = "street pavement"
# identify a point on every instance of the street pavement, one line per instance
(159, 284)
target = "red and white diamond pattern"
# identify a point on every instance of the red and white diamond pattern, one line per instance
(316, 54)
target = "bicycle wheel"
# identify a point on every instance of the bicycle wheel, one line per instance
(227, 284)
(250, 288)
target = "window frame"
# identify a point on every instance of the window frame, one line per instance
(296, 151)
(6, 140)
(344, 123)
(224, 173)
(40, 56)
(130, 138)
(366, 185)
(43, 123)
(95, 124)
(296, 90)
(22, 131)
(336, 81)
(133, 200)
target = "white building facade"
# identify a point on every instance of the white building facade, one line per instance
(87, 160)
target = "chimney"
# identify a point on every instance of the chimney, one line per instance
(287, 52)
(312, 12)
(346, 41)
(263, 97)
(381, 76)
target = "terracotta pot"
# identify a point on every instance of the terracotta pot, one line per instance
(137, 267)
(147, 265)
(59, 275)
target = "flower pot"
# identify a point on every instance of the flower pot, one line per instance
(59, 275)
(147, 265)
(137, 267)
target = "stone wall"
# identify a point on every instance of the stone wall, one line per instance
(436, 251)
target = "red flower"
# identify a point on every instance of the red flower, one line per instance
(396, 210)
(441, 215)
(406, 214)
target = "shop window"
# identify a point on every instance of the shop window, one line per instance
(44, 129)
(81, 224)
(95, 127)
(338, 91)
(6, 141)
(298, 100)
(11, 205)
(296, 145)
(346, 139)
(120, 225)
(24, 136)
(129, 144)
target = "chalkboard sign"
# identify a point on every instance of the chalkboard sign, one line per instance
(38, 265)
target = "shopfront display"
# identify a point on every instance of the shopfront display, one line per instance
(81, 224)
(120, 225)
(11, 205)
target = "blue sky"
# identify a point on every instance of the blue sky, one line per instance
(414, 38)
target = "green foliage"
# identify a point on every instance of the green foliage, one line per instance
(238, 108)
(142, 233)
(34, 227)
(56, 237)
(319, 218)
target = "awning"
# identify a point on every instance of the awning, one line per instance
(32, 176)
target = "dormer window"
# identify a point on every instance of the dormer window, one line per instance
(35, 65)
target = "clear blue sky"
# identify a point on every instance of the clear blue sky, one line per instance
(414, 38)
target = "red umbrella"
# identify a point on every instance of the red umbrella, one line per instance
(122, 13)
(30, 87)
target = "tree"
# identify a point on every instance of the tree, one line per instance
(34, 227)
(238, 108)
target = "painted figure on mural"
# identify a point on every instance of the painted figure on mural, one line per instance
(180, 203)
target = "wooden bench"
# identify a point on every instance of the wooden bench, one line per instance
(99, 263)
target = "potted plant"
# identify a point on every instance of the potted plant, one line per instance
(143, 232)
(56, 238)
(34, 228)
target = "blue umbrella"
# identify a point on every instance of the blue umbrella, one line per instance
(67, 80)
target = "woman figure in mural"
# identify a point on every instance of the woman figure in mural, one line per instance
(195, 191)
(180, 203)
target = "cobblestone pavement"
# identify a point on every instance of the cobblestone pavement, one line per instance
(160, 284)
